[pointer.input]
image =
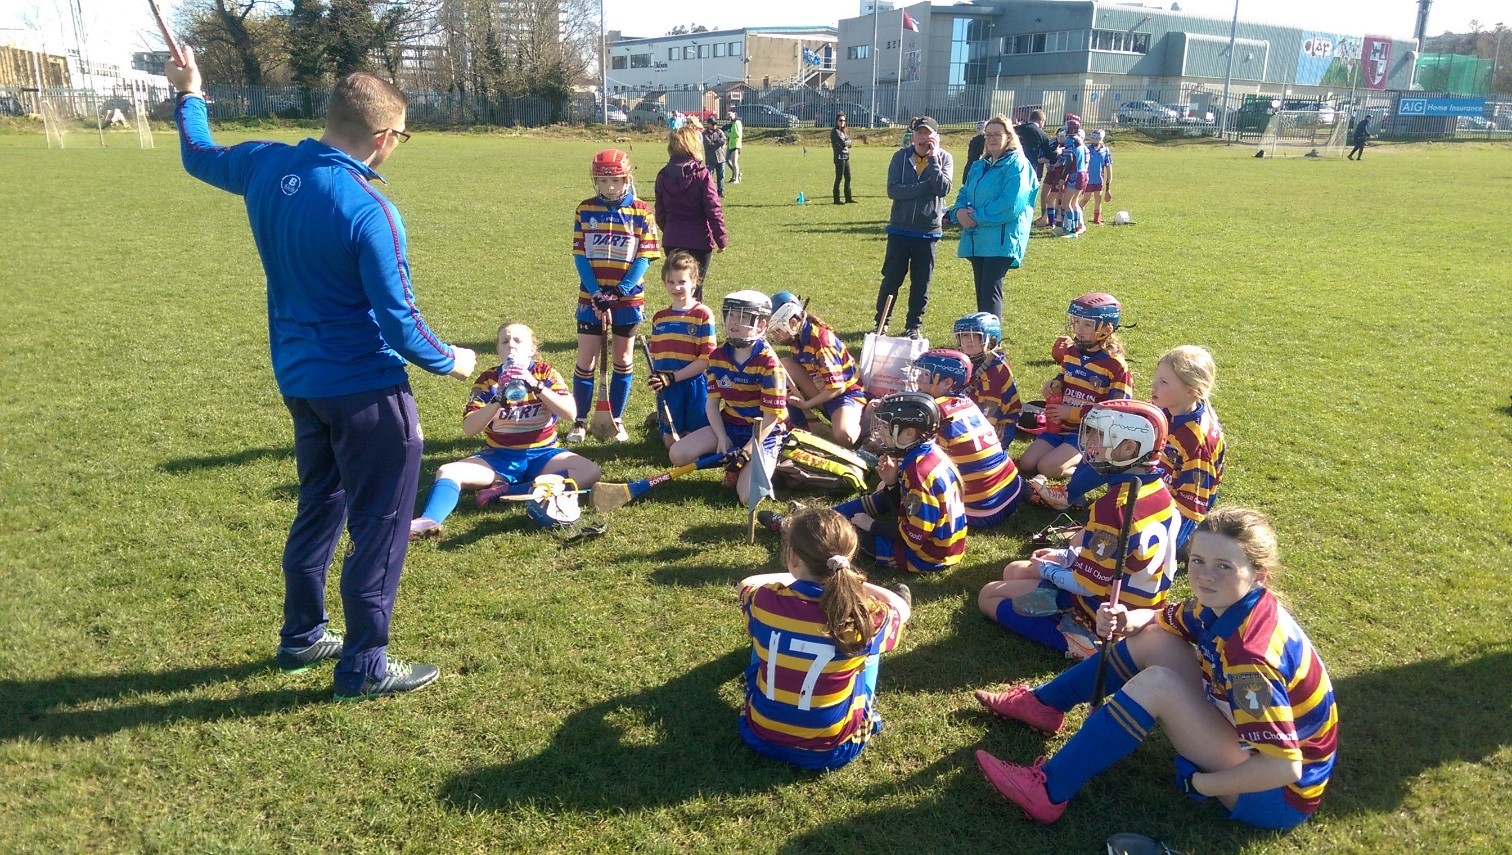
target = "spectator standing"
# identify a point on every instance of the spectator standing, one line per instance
(840, 145)
(1361, 134)
(714, 142)
(975, 148)
(688, 212)
(918, 179)
(735, 134)
(994, 208)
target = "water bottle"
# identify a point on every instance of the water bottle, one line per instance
(515, 390)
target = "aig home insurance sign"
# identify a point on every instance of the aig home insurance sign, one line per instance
(1441, 107)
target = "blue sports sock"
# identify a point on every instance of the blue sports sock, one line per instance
(443, 499)
(582, 392)
(619, 390)
(1083, 480)
(1110, 734)
(1050, 215)
(1074, 685)
(1043, 630)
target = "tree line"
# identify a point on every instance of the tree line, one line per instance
(508, 48)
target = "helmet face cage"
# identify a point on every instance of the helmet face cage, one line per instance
(1116, 440)
(554, 502)
(983, 324)
(785, 307)
(941, 364)
(745, 317)
(902, 411)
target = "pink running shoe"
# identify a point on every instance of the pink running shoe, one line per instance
(1050, 494)
(488, 494)
(1022, 785)
(1020, 704)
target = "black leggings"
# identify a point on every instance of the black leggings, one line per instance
(842, 171)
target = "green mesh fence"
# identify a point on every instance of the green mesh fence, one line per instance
(1454, 73)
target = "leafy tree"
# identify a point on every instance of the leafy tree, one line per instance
(352, 36)
(235, 41)
(307, 43)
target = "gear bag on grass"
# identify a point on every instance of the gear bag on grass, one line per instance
(807, 462)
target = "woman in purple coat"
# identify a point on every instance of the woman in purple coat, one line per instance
(688, 213)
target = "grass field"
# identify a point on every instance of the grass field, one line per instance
(589, 694)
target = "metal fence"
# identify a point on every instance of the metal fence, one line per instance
(1161, 110)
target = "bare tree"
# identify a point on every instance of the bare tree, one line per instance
(235, 41)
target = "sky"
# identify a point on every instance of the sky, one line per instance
(115, 28)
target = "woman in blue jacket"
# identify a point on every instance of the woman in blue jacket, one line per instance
(994, 209)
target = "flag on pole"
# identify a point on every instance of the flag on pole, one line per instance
(761, 487)
(909, 23)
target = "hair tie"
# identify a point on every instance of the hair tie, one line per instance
(837, 562)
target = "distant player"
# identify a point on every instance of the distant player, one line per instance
(1055, 178)
(1099, 174)
(980, 337)
(1074, 165)
(515, 405)
(921, 490)
(821, 372)
(747, 391)
(1232, 679)
(1092, 369)
(614, 241)
(990, 483)
(682, 340)
(1052, 597)
(816, 638)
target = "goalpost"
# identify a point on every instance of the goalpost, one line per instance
(52, 122)
(1305, 133)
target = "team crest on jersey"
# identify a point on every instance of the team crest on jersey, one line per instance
(290, 184)
(912, 504)
(1102, 544)
(1250, 691)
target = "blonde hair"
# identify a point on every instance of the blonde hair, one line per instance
(1013, 140)
(535, 340)
(686, 141)
(364, 103)
(1193, 366)
(1253, 532)
(825, 544)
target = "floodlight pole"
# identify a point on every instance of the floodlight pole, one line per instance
(1496, 57)
(1228, 77)
(603, 54)
(872, 121)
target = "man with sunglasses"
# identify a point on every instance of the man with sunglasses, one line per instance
(342, 325)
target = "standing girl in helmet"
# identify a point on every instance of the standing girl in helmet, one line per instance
(614, 240)
(1092, 370)
(821, 372)
(992, 386)
(990, 483)
(515, 405)
(1052, 597)
(920, 488)
(817, 633)
(747, 391)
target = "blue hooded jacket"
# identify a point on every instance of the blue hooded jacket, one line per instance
(1003, 194)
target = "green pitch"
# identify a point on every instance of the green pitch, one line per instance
(1358, 313)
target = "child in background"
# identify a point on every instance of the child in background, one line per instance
(614, 240)
(1053, 596)
(1235, 683)
(747, 391)
(1092, 370)
(920, 486)
(682, 339)
(515, 405)
(1074, 164)
(1055, 178)
(816, 638)
(821, 372)
(1099, 174)
(990, 483)
(980, 337)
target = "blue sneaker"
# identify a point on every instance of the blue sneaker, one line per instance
(292, 660)
(399, 677)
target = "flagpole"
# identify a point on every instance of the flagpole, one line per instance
(898, 92)
(872, 120)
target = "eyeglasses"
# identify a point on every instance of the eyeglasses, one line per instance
(402, 135)
(996, 136)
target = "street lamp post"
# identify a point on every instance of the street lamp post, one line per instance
(1228, 77)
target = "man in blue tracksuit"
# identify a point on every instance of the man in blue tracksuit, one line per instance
(918, 179)
(342, 323)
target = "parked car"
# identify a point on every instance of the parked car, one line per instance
(616, 115)
(648, 113)
(856, 115)
(765, 116)
(1473, 123)
(1144, 113)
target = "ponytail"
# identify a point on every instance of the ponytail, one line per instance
(825, 543)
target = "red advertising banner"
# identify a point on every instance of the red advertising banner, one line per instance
(1375, 61)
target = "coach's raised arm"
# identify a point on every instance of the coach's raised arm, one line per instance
(342, 323)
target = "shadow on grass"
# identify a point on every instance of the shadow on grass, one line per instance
(235, 458)
(868, 228)
(53, 709)
(602, 759)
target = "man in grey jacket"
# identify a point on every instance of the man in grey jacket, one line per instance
(918, 180)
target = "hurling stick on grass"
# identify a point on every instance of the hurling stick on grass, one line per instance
(608, 496)
(661, 402)
(602, 426)
(173, 46)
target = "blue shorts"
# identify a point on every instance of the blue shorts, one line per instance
(1267, 809)
(1072, 438)
(834, 405)
(740, 436)
(976, 521)
(618, 318)
(685, 402)
(519, 465)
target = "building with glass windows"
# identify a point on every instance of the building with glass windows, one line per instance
(761, 57)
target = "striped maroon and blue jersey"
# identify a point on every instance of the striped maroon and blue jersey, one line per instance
(748, 390)
(1262, 672)
(1192, 462)
(612, 237)
(826, 359)
(1090, 377)
(1149, 562)
(802, 691)
(681, 336)
(996, 392)
(931, 511)
(528, 424)
(989, 480)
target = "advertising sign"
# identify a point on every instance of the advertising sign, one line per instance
(1441, 107)
(1375, 61)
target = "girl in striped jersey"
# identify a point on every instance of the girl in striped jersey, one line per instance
(990, 483)
(980, 337)
(1052, 597)
(519, 426)
(821, 372)
(817, 633)
(682, 339)
(1237, 685)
